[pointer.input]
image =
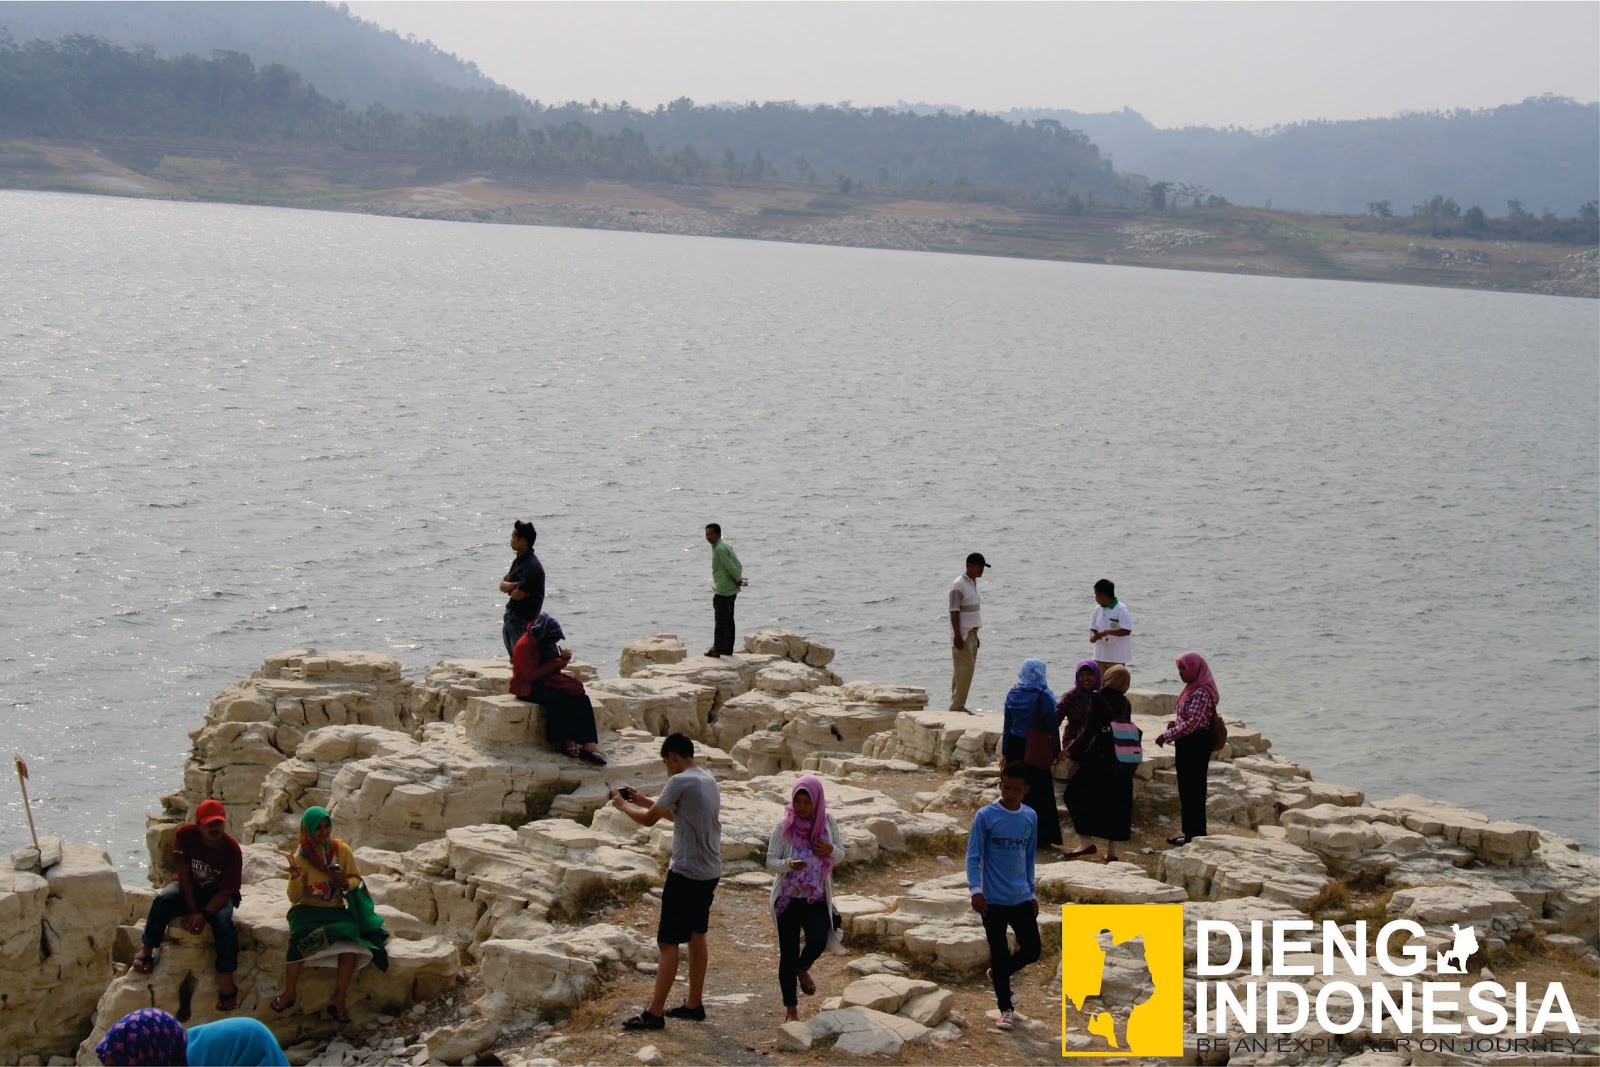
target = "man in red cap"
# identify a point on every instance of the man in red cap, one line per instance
(205, 890)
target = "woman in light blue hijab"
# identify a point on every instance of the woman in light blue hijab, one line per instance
(1031, 710)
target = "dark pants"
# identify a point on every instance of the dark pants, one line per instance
(813, 918)
(169, 905)
(512, 628)
(722, 606)
(567, 716)
(1003, 963)
(1193, 756)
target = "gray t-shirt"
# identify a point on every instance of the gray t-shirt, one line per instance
(696, 805)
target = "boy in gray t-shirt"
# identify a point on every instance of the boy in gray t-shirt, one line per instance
(692, 802)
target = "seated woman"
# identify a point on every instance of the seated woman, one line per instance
(151, 1036)
(331, 915)
(804, 845)
(536, 677)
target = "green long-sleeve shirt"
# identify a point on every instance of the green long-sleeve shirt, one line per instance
(725, 569)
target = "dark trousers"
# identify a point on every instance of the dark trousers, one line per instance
(169, 905)
(722, 607)
(567, 716)
(1003, 963)
(511, 630)
(813, 918)
(1193, 760)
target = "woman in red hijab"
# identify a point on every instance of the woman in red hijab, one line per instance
(1197, 706)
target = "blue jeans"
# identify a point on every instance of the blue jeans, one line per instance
(169, 905)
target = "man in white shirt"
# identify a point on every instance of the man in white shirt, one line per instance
(1111, 627)
(965, 618)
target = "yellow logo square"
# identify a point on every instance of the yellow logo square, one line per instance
(1122, 967)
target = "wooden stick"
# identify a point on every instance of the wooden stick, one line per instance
(27, 806)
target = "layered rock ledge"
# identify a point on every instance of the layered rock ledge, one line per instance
(491, 856)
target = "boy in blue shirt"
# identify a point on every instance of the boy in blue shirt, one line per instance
(1000, 858)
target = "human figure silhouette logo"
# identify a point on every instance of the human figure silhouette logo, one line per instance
(1455, 960)
(1122, 978)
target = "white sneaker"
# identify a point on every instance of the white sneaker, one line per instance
(1008, 1020)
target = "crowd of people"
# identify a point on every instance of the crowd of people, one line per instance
(1090, 729)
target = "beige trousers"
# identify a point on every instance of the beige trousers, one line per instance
(963, 661)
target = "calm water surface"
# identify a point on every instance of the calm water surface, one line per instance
(230, 431)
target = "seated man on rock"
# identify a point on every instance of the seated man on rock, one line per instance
(205, 890)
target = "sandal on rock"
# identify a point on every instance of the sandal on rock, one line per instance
(592, 756)
(338, 1014)
(143, 963)
(227, 1001)
(1086, 850)
(1179, 840)
(280, 1005)
(571, 749)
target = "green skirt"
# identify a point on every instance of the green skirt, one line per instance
(313, 930)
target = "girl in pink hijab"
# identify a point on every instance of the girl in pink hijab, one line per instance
(804, 846)
(1197, 706)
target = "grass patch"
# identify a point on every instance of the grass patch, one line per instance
(592, 899)
(944, 843)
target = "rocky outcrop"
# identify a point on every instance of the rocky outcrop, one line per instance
(489, 854)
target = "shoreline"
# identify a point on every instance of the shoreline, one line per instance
(1229, 240)
(407, 765)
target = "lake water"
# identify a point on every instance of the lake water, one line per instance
(230, 431)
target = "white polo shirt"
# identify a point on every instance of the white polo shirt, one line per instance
(1113, 649)
(964, 598)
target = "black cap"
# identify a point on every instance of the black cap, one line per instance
(977, 557)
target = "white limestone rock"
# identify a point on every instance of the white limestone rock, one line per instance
(1107, 883)
(658, 648)
(1496, 842)
(862, 1032)
(1220, 867)
(884, 992)
(654, 704)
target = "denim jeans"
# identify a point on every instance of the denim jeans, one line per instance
(169, 905)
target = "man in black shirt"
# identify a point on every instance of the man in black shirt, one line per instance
(524, 584)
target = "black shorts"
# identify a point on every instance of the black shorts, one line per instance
(685, 908)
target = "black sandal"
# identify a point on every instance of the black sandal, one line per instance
(592, 756)
(280, 1005)
(338, 1015)
(227, 1001)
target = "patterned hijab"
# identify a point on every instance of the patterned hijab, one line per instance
(146, 1036)
(808, 832)
(544, 630)
(310, 822)
(1200, 678)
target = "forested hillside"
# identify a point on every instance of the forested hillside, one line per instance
(1543, 153)
(82, 87)
(344, 57)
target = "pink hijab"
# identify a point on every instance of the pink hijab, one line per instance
(1200, 675)
(808, 832)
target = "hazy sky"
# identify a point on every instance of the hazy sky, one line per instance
(1245, 64)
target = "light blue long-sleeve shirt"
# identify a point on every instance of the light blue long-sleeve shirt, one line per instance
(1000, 854)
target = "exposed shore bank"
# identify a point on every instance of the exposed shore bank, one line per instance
(1234, 240)
(509, 886)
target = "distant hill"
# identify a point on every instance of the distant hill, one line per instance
(1543, 152)
(346, 58)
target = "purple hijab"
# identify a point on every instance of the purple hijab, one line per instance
(1073, 711)
(146, 1036)
(807, 832)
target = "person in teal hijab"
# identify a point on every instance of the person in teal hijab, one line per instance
(331, 913)
(237, 1042)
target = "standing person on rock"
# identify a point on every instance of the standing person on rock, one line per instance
(804, 845)
(1110, 627)
(523, 584)
(965, 619)
(1197, 706)
(1073, 713)
(727, 578)
(1001, 851)
(1100, 795)
(692, 802)
(1029, 738)
(205, 890)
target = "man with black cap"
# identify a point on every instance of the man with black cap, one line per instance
(964, 622)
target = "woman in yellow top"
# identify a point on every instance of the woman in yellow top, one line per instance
(331, 915)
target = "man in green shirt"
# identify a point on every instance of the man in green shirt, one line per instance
(727, 576)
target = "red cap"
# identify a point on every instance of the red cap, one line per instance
(210, 811)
